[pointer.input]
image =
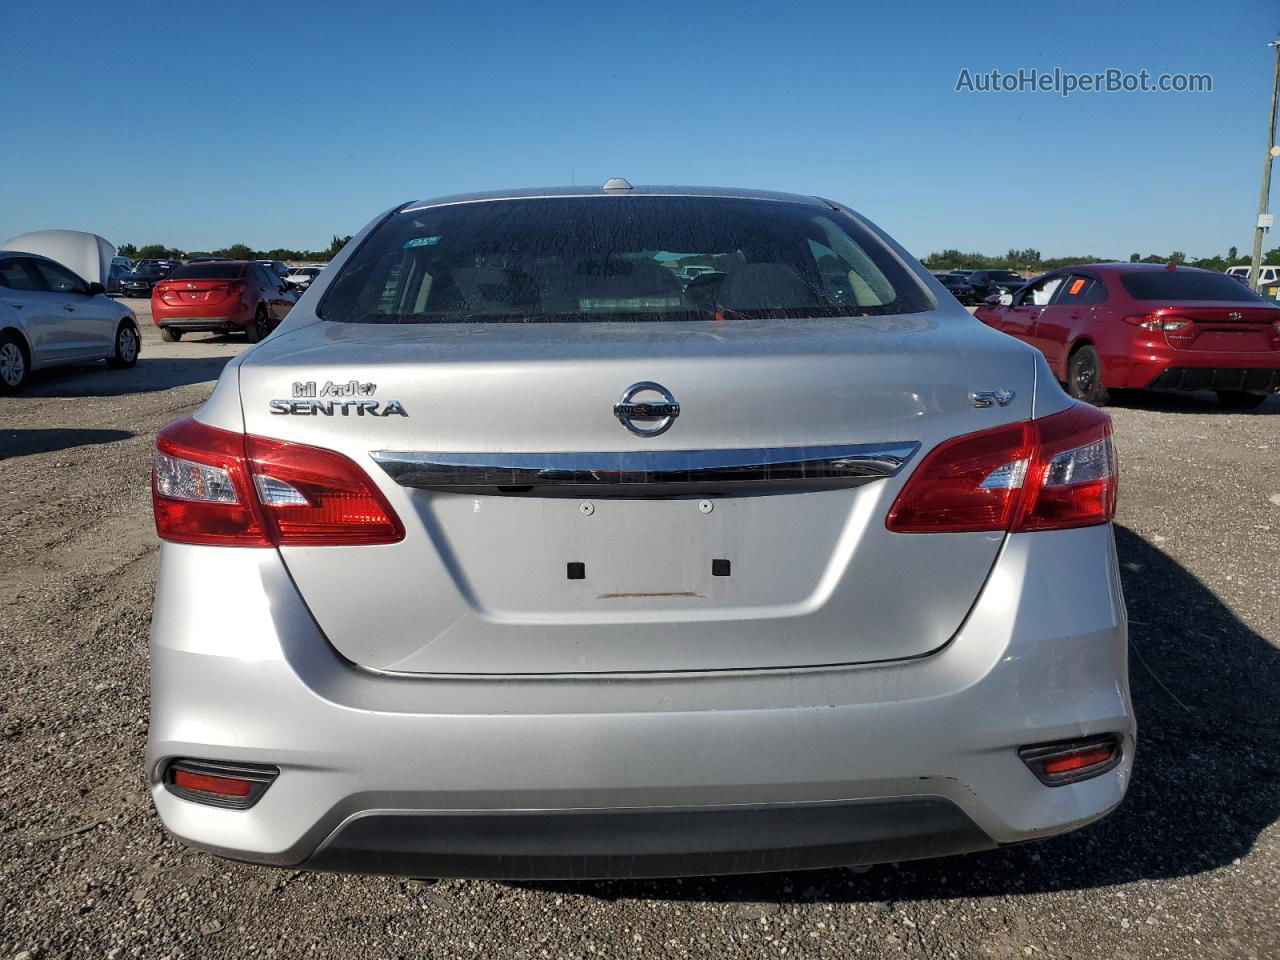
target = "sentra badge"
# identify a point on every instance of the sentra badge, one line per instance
(353, 398)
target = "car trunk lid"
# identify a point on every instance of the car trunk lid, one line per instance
(545, 537)
(1224, 327)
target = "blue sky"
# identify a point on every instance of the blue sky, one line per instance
(201, 125)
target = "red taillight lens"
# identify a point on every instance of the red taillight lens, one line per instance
(1155, 321)
(1047, 474)
(971, 483)
(317, 497)
(213, 486)
(1072, 480)
(200, 487)
(205, 783)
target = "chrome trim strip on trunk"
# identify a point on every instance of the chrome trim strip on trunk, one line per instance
(752, 465)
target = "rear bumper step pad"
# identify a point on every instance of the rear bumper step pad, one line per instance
(579, 844)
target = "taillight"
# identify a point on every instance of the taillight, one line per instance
(1155, 321)
(317, 497)
(1072, 481)
(212, 486)
(200, 487)
(1048, 474)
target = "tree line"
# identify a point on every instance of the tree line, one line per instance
(237, 251)
(1030, 261)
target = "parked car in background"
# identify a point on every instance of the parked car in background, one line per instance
(145, 276)
(840, 589)
(959, 286)
(1266, 274)
(1117, 326)
(51, 316)
(986, 283)
(278, 267)
(301, 277)
(222, 296)
(117, 272)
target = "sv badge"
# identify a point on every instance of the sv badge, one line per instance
(989, 398)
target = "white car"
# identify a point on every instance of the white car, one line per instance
(51, 316)
(300, 277)
(1266, 274)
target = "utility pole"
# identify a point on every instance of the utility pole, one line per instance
(1264, 217)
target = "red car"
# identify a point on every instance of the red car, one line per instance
(1139, 326)
(223, 296)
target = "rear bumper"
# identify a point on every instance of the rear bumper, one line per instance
(632, 775)
(201, 316)
(1154, 365)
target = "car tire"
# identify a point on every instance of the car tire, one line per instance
(260, 327)
(169, 335)
(15, 365)
(127, 343)
(1084, 376)
(1241, 399)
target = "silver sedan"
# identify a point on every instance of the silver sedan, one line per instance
(633, 532)
(50, 316)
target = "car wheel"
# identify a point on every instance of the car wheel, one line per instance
(126, 354)
(260, 327)
(1241, 399)
(13, 363)
(1084, 376)
(170, 335)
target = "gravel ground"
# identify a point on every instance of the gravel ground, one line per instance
(1189, 867)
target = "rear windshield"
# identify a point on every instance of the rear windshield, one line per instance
(623, 259)
(1186, 285)
(208, 271)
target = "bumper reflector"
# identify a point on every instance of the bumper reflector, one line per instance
(1070, 761)
(235, 785)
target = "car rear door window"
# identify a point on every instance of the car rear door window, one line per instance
(16, 273)
(58, 278)
(1081, 291)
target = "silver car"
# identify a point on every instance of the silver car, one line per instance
(50, 316)
(516, 552)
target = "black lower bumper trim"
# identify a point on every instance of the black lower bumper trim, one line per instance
(202, 326)
(1248, 379)
(586, 844)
